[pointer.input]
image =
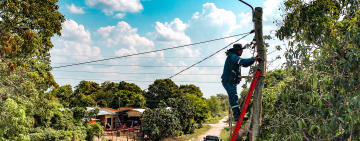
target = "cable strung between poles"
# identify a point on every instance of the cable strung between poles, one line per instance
(130, 72)
(145, 52)
(252, 31)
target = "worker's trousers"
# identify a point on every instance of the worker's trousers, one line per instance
(233, 98)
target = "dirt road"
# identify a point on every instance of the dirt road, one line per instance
(214, 130)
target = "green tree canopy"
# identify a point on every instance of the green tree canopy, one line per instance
(129, 87)
(13, 121)
(28, 110)
(201, 109)
(274, 77)
(64, 94)
(87, 88)
(137, 100)
(214, 105)
(110, 87)
(185, 110)
(320, 99)
(191, 89)
(162, 90)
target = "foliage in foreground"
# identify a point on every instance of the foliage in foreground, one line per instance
(320, 100)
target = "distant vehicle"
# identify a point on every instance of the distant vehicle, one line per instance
(212, 138)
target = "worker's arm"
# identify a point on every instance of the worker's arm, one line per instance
(241, 61)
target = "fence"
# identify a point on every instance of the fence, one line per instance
(120, 136)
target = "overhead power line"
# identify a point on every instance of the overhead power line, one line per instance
(134, 80)
(145, 52)
(139, 57)
(130, 73)
(252, 31)
(147, 66)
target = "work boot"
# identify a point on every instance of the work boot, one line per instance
(244, 119)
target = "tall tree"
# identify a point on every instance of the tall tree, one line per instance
(64, 94)
(110, 87)
(201, 109)
(129, 87)
(87, 88)
(26, 28)
(320, 99)
(191, 89)
(137, 101)
(162, 90)
(214, 105)
(184, 109)
(13, 121)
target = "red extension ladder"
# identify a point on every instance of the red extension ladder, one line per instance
(245, 106)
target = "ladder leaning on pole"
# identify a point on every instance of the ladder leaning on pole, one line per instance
(245, 106)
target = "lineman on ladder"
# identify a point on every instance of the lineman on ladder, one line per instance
(232, 75)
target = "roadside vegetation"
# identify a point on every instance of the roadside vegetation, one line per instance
(316, 94)
(34, 107)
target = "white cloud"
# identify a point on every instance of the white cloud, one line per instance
(211, 23)
(188, 52)
(111, 6)
(119, 15)
(125, 51)
(270, 6)
(171, 34)
(74, 9)
(78, 51)
(123, 35)
(71, 31)
(75, 41)
(246, 19)
(126, 41)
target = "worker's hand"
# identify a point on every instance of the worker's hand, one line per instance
(257, 58)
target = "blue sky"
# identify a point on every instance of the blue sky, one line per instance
(100, 29)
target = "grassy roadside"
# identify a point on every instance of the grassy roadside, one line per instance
(194, 135)
(225, 133)
(199, 132)
(212, 120)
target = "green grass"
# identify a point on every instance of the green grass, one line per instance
(196, 134)
(199, 132)
(212, 120)
(225, 133)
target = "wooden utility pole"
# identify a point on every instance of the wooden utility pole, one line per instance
(261, 51)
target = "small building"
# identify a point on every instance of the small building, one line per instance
(123, 116)
(130, 117)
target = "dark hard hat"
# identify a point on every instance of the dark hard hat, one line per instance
(238, 46)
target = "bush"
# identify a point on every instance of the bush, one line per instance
(184, 109)
(201, 109)
(159, 123)
(94, 130)
(49, 134)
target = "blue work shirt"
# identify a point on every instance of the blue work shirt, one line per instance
(232, 66)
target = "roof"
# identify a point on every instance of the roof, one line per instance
(123, 108)
(111, 109)
(103, 111)
(132, 112)
(139, 110)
